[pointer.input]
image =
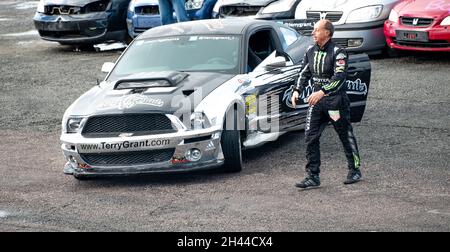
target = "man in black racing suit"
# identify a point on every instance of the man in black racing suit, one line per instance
(326, 65)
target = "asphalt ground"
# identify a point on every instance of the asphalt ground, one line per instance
(403, 140)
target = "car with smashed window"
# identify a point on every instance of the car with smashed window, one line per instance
(219, 86)
(76, 22)
(421, 25)
(358, 24)
(144, 14)
(261, 9)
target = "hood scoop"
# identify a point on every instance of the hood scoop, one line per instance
(188, 92)
(150, 80)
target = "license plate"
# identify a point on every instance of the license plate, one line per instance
(412, 36)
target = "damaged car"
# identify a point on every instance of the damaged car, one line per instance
(261, 9)
(144, 14)
(77, 22)
(196, 107)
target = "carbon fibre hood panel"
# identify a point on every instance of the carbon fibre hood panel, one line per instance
(184, 97)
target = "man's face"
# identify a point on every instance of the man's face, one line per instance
(320, 34)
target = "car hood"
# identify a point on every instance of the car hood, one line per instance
(187, 95)
(248, 2)
(424, 8)
(339, 5)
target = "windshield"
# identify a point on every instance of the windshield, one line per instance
(185, 53)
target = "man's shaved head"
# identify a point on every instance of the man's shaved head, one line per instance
(323, 31)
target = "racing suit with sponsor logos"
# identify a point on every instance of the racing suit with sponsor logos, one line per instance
(327, 69)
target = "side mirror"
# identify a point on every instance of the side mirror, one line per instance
(107, 67)
(277, 62)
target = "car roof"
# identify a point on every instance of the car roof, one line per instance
(232, 26)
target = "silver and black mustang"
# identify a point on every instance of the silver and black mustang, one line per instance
(191, 96)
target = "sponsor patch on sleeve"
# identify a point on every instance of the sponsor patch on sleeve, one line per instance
(340, 62)
(341, 56)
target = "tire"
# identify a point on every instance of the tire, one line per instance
(232, 149)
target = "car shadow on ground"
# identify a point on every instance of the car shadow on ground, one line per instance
(250, 156)
(416, 57)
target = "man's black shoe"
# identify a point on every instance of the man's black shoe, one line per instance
(353, 177)
(309, 181)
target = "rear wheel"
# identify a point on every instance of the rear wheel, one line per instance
(231, 146)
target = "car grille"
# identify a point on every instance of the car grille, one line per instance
(128, 158)
(147, 10)
(138, 124)
(238, 11)
(419, 22)
(98, 6)
(333, 16)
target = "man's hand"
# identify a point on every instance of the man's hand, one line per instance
(315, 97)
(294, 98)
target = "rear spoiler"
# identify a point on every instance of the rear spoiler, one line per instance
(303, 26)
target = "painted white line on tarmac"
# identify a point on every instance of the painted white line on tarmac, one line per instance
(27, 5)
(3, 214)
(7, 2)
(22, 34)
(435, 211)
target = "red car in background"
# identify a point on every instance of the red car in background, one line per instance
(419, 25)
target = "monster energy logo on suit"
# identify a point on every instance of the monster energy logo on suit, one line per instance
(319, 62)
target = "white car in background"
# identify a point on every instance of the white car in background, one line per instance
(358, 23)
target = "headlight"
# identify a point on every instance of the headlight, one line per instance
(194, 4)
(446, 21)
(74, 125)
(199, 121)
(279, 6)
(365, 14)
(393, 16)
(41, 7)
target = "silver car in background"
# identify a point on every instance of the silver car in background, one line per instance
(359, 24)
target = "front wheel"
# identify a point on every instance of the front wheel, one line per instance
(232, 150)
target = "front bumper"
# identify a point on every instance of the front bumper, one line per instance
(370, 34)
(76, 29)
(438, 38)
(74, 147)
